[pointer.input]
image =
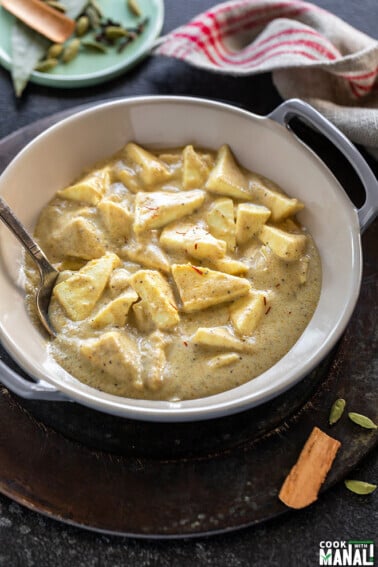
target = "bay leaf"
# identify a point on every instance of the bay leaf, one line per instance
(28, 47)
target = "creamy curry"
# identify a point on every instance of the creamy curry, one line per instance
(181, 273)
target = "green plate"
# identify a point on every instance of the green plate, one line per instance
(91, 67)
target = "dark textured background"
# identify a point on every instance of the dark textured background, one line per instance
(28, 539)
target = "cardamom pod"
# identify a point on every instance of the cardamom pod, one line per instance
(95, 45)
(46, 65)
(360, 487)
(134, 7)
(82, 25)
(94, 18)
(56, 5)
(337, 411)
(115, 32)
(362, 420)
(55, 51)
(96, 6)
(71, 50)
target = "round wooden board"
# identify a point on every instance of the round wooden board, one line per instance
(184, 480)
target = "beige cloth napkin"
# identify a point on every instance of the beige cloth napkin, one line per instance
(313, 55)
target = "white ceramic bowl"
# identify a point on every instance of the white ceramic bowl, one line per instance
(58, 155)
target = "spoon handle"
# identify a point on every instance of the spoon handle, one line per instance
(8, 217)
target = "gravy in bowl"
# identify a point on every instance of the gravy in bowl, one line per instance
(182, 274)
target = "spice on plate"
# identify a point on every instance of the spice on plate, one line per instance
(96, 6)
(55, 50)
(71, 50)
(134, 7)
(46, 65)
(115, 32)
(94, 45)
(82, 26)
(302, 485)
(31, 51)
(93, 17)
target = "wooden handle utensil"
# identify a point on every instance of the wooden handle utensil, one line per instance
(41, 17)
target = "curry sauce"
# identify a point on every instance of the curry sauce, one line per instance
(182, 274)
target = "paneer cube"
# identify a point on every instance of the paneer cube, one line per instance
(231, 266)
(207, 158)
(79, 293)
(249, 220)
(116, 311)
(223, 360)
(226, 178)
(247, 312)
(119, 281)
(173, 157)
(219, 337)
(80, 238)
(290, 225)
(221, 221)
(260, 257)
(154, 360)
(142, 319)
(192, 239)
(283, 244)
(117, 355)
(158, 208)
(206, 247)
(200, 287)
(150, 169)
(280, 205)
(89, 190)
(195, 169)
(147, 255)
(174, 237)
(117, 218)
(158, 298)
(127, 176)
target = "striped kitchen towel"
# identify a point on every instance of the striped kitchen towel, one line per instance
(312, 53)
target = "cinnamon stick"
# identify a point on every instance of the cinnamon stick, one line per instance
(302, 485)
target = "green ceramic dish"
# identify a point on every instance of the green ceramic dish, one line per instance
(91, 67)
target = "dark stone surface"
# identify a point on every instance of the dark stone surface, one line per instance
(29, 539)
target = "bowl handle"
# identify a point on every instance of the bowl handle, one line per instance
(38, 390)
(295, 108)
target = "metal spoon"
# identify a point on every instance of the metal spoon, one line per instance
(47, 272)
(41, 17)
